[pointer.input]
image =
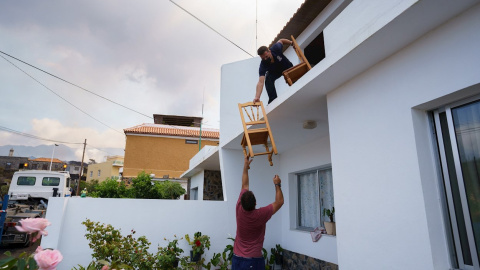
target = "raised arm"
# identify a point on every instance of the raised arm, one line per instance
(277, 204)
(285, 41)
(260, 83)
(246, 166)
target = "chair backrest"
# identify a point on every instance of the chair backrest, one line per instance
(300, 54)
(253, 112)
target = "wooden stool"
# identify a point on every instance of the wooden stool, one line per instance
(294, 73)
(259, 132)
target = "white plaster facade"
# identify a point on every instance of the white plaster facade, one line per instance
(387, 64)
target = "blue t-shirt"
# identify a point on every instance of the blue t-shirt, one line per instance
(280, 62)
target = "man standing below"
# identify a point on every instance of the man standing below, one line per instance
(271, 68)
(251, 224)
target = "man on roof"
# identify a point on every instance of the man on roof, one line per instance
(271, 67)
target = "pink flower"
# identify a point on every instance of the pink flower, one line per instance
(47, 259)
(105, 267)
(31, 225)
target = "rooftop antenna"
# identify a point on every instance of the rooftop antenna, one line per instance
(256, 23)
(201, 121)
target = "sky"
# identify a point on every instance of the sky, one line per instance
(151, 57)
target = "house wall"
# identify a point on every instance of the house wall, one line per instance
(107, 170)
(307, 157)
(385, 182)
(197, 182)
(158, 219)
(159, 155)
(212, 186)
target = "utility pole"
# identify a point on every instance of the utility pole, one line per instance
(81, 168)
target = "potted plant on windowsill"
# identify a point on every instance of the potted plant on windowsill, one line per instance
(198, 244)
(330, 226)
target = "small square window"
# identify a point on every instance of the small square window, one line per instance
(99, 172)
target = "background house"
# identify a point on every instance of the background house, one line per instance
(395, 100)
(165, 149)
(108, 169)
(44, 164)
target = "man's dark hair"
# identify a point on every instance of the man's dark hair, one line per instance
(248, 201)
(262, 49)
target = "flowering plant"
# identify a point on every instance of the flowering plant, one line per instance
(112, 249)
(199, 242)
(168, 256)
(34, 226)
(42, 259)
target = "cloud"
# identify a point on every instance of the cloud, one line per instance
(150, 56)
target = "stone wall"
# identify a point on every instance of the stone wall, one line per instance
(212, 186)
(294, 261)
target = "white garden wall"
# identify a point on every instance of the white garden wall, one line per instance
(155, 219)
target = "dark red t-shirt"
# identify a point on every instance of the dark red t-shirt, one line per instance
(250, 229)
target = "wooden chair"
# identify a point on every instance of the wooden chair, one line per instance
(294, 73)
(259, 132)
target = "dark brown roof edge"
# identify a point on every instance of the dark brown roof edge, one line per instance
(304, 16)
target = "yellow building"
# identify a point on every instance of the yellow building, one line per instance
(104, 170)
(164, 150)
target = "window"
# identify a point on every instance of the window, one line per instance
(50, 181)
(34, 166)
(457, 129)
(315, 192)
(191, 141)
(26, 181)
(99, 171)
(91, 173)
(315, 51)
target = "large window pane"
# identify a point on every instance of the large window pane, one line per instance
(309, 200)
(315, 192)
(466, 120)
(460, 220)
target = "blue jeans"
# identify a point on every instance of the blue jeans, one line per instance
(240, 263)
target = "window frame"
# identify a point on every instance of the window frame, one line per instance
(27, 178)
(50, 184)
(448, 205)
(296, 194)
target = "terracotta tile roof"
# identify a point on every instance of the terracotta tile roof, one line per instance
(55, 160)
(167, 130)
(305, 14)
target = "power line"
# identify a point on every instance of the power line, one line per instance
(210, 28)
(60, 96)
(33, 136)
(72, 85)
(93, 93)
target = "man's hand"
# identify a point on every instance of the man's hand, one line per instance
(277, 204)
(246, 165)
(277, 180)
(256, 100)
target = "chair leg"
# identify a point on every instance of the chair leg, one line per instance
(269, 155)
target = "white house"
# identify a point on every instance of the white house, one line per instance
(397, 106)
(396, 103)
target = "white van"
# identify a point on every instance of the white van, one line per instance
(39, 185)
